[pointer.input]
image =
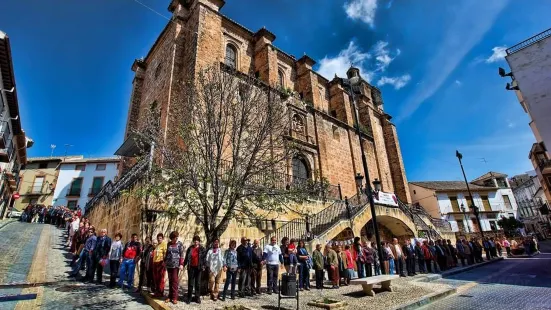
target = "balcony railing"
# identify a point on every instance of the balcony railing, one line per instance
(544, 163)
(5, 137)
(533, 40)
(94, 191)
(73, 192)
(36, 190)
(6, 153)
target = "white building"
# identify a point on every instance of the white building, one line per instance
(533, 206)
(450, 200)
(530, 63)
(80, 179)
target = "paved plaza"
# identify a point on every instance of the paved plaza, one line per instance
(513, 283)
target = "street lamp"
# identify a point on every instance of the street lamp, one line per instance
(359, 178)
(465, 215)
(353, 80)
(377, 185)
(473, 206)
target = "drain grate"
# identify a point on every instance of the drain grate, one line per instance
(468, 296)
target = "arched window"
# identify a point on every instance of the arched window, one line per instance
(231, 56)
(280, 78)
(301, 173)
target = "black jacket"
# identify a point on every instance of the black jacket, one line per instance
(103, 245)
(244, 256)
(408, 250)
(202, 257)
(419, 252)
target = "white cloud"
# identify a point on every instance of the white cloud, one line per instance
(511, 124)
(352, 55)
(498, 54)
(398, 82)
(371, 64)
(458, 82)
(476, 16)
(363, 10)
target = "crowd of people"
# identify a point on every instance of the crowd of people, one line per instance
(36, 213)
(243, 265)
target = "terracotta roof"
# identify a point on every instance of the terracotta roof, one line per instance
(489, 175)
(450, 186)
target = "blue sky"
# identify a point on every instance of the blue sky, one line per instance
(435, 62)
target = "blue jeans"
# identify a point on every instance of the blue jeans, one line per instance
(127, 272)
(230, 277)
(81, 258)
(391, 269)
(303, 276)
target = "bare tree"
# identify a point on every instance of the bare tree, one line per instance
(226, 152)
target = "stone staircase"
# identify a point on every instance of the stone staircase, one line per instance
(319, 222)
(323, 221)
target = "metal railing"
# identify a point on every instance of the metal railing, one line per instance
(545, 163)
(7, 152)
(73, 192)
(530, 41)
(94, 191)
(111, 190)
(5, 138)
(321, 221)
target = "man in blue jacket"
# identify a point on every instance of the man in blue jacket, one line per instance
(101, 251)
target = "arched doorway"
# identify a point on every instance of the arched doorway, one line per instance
(301, 170)
(389, 228)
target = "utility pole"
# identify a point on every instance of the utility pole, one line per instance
(52, 146)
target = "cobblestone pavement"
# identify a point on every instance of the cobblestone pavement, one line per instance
(404, 291)
(17, 246)
(514, 283)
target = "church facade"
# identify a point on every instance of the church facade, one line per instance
(322, 115)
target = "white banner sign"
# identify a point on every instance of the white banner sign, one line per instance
(383, 198)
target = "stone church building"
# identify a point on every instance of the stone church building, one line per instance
(199, 36)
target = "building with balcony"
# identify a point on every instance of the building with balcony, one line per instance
(79, 179)
(450, 200)
(530, 63)
(13, 141)
(38, 180)
(533, 206)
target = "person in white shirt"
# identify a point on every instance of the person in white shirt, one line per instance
(272, 257)
(73, 228)
(215, 262)
(398, 257)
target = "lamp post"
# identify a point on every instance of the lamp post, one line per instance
(358, 178)
(473, 206)
(354, 79)
(465, 215)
